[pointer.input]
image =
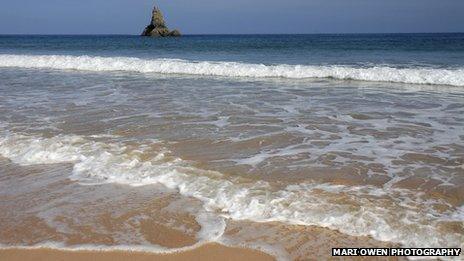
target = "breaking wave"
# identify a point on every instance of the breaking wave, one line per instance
(385, 214)
(452, 77)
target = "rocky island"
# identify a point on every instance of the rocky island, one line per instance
(157, 26)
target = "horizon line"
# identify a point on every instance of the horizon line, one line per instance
(229, 34)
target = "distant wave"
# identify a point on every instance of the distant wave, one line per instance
(452, 77)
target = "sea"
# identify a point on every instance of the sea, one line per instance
(290, 144)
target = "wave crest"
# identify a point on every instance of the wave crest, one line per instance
(452, 77)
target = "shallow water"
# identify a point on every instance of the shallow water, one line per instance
(114, 150)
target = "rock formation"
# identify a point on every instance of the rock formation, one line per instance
(157, 26)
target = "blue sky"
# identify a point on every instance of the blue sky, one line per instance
(232, 16)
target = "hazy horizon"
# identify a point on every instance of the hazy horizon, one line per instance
(205, 17)
(225, 34)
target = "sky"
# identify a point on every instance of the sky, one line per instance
(232, 16)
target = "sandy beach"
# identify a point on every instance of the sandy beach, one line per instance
(206, 252)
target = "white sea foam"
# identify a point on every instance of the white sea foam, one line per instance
(105, 248)
(405, 217)
(136, 248)
(453, 77)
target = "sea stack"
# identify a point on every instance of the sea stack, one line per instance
(157, 26)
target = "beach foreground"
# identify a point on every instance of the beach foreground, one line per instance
(205, 252)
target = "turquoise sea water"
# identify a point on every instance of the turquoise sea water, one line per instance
(402, 50)
(407, 58)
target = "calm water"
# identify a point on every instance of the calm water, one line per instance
(246, 140)
(396, 50)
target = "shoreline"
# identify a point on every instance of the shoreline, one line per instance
(210, 251)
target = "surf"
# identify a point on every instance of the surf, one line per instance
(338, 207)
(428, 76)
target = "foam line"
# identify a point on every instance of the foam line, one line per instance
(452, 77)
(302, 204)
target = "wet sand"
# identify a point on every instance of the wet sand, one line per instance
(289, 167)
(205, 252)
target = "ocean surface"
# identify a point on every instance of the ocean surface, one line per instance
(257, 140)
